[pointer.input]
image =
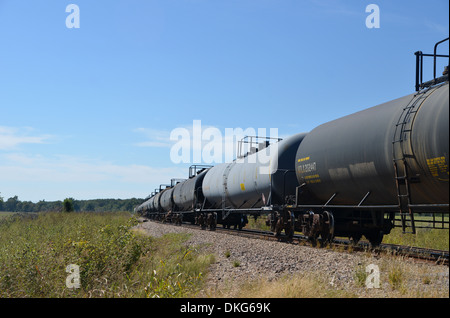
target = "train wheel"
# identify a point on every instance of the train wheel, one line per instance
(211, 221)
(313, 239)
(289, 225)
(278, 227)
(375, 238)
(327, 227)
(315, 228)
(272, 221)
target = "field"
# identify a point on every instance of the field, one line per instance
(5, 214)
(113, 260)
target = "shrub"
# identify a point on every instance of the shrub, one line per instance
(68, 205)
(113, 260)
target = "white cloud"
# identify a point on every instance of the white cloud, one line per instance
(12, 137)
(36, 177)
(156, 138)
(62, 168)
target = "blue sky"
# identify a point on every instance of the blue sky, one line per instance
(87, 112)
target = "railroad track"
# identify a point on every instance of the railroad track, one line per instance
(432, 255)
(438, 256)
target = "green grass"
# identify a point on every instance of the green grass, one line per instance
(5, 214)
(114, 260)
(258, 224)
(426, 238)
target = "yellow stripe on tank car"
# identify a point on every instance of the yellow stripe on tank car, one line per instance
(303, 159)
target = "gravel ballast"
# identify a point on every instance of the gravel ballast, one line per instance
(240, 260)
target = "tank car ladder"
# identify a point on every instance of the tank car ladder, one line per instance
(402, 151)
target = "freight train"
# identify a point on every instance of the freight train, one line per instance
(362, 174)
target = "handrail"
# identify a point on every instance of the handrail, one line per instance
(419, 68)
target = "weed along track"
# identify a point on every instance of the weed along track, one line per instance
(93, 255)
(264, 267)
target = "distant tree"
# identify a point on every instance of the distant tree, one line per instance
(39, 207)
(11, 204)
(68, 205)
(90, 207)
(27, 206)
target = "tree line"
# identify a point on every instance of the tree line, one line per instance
(13, 204)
